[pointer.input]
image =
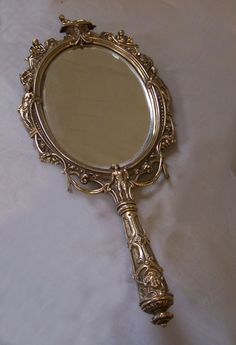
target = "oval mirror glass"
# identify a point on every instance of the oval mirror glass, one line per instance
(96, 107)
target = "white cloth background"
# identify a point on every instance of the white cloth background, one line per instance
(65, 272)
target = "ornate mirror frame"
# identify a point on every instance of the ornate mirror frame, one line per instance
(118, 181)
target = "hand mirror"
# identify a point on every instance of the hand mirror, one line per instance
(96, 106)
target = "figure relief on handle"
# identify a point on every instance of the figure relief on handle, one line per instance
(154, 294)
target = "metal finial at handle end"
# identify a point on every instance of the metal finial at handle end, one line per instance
(158, 307)
(162, 318)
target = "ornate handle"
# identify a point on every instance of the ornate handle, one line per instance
(154, 295)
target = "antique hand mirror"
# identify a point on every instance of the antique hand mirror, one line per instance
(95, 105)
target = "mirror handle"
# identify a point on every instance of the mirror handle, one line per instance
(154, 295)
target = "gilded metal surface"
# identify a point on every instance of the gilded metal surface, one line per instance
(154, 295)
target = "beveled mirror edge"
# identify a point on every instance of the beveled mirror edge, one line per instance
(153, 103)
(154, 295)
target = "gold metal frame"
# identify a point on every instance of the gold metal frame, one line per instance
(118, 181)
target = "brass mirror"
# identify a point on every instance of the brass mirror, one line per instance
(95, 105)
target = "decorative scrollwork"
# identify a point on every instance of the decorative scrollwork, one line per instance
(37, 52)
(150, 169)
(78, 31)
(128, 44)
(25, 111)
(122, 40)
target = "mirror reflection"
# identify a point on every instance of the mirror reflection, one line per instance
(96, 106)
